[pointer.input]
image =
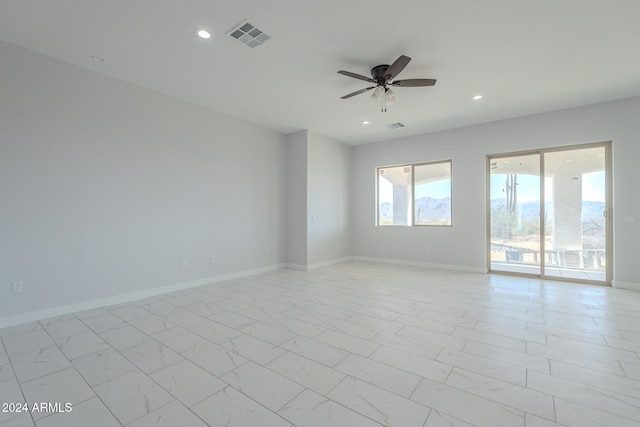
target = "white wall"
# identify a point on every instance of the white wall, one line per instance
(464, 244)
(105, 187)
(297, 200)
(318, 201)
(328, 222)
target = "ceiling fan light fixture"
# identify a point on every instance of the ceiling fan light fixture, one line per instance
(391, 97)
(383, 76)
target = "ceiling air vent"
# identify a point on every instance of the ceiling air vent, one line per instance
(395, 125)
(248, 34)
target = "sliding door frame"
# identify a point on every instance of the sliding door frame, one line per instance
(608, 213)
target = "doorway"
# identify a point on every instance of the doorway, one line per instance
(549, 213)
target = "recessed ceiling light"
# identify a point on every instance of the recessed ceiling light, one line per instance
(203, 34)
(365, 122)
(475, 98)
(97, 58)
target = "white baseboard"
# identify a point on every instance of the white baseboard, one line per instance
(464, 268)
(309, 267)
(330, 262)
(128, 297)
(625, 285)
(301, 267)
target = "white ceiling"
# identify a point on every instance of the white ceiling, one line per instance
(522, 56)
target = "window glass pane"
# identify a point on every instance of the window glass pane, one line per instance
(394, 195)
(432, 194)
(576, 222)
(514, 192)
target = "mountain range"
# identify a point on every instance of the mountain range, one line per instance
(429, 207)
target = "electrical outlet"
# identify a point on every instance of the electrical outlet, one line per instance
(211, 259)
(17, 286)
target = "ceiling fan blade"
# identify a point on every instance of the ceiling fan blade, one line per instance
(395, 68)
(414, 82)
(358, 92)
(356, 76)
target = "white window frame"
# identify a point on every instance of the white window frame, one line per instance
(411, 206)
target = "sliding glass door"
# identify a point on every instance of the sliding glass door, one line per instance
(548, 213)
(577, 212)
(515, 213)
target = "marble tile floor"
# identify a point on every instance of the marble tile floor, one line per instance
(354, 344)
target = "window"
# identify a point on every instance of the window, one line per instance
(418, 194)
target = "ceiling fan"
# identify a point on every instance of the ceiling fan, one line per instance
(382, 77)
